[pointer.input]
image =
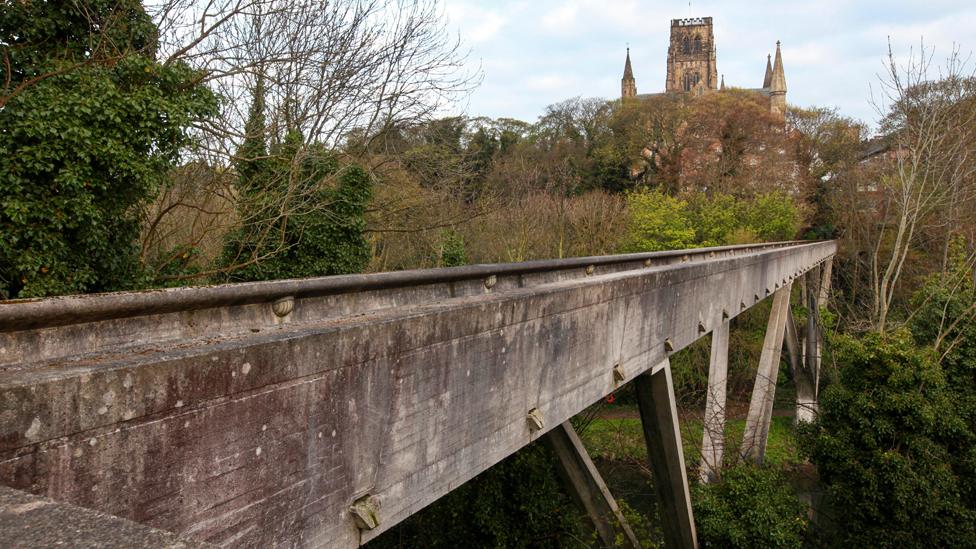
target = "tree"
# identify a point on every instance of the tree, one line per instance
(892, 448)
(658, 222)
(827, 146)
(91, 125)
(281, 237)
(350, 72)
(252, 155)
(931, 177)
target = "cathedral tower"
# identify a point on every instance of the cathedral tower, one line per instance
(691, 56)
(628, 86)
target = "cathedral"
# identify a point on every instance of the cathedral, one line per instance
(692, 66)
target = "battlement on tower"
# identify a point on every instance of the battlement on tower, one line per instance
(691, 22)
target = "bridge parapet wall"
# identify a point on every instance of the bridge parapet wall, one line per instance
(236, 426)
(53, 328)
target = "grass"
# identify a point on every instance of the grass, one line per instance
(622, 439)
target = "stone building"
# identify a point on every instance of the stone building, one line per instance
(692, 66)
(691, 57)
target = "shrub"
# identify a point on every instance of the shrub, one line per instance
(887, 445)
(658, 221)
(750, 507)
(452, 252)
(771, 217)
(517, 503)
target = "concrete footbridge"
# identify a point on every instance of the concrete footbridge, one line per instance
(321, 412)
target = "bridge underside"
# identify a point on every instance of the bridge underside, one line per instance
(260, 414)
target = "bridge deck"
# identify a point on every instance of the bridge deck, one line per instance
(257, 414)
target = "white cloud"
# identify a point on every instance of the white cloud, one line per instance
(476, 24)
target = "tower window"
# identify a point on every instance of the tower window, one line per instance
(686, 45)
(698, 44)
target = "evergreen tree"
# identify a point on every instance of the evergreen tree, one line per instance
(91, 125)
(252, 155)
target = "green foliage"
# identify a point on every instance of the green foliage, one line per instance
(452, 252)
(45, 35)
(750, 507)
(658, 222)
(892, 449)
(252, 156)
(622, 439)
(517, 503)
(302, 214)
(86, 146)
(322, 235)
(639, 524)
(715, 218)
(771, 216)
(943, 313)
(944, 317)
(661, 222)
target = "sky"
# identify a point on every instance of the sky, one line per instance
(533, 53)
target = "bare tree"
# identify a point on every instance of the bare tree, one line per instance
(330, 67)
(932, 168)
(328, 71)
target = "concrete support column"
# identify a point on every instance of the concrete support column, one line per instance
(764, 391)
(587, 486)
(803, 375)
(827, 268)
(826, 271)
(806, 409)
(659, 419)
(713, 424)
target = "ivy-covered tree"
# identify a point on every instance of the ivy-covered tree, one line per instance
(252, 156)
(891, 448)
(90, 125)
(301, 213)
(944, 319)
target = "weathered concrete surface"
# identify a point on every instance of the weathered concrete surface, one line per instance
(713, 424)
(807, 387)
(659, 421)
(237, 427)
(586, 485)
(764, 390)
(27, 520)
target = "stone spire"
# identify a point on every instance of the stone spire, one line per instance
(628, 85)
(768, 79)
(722, 87)
(777, 87)
(778, 82)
